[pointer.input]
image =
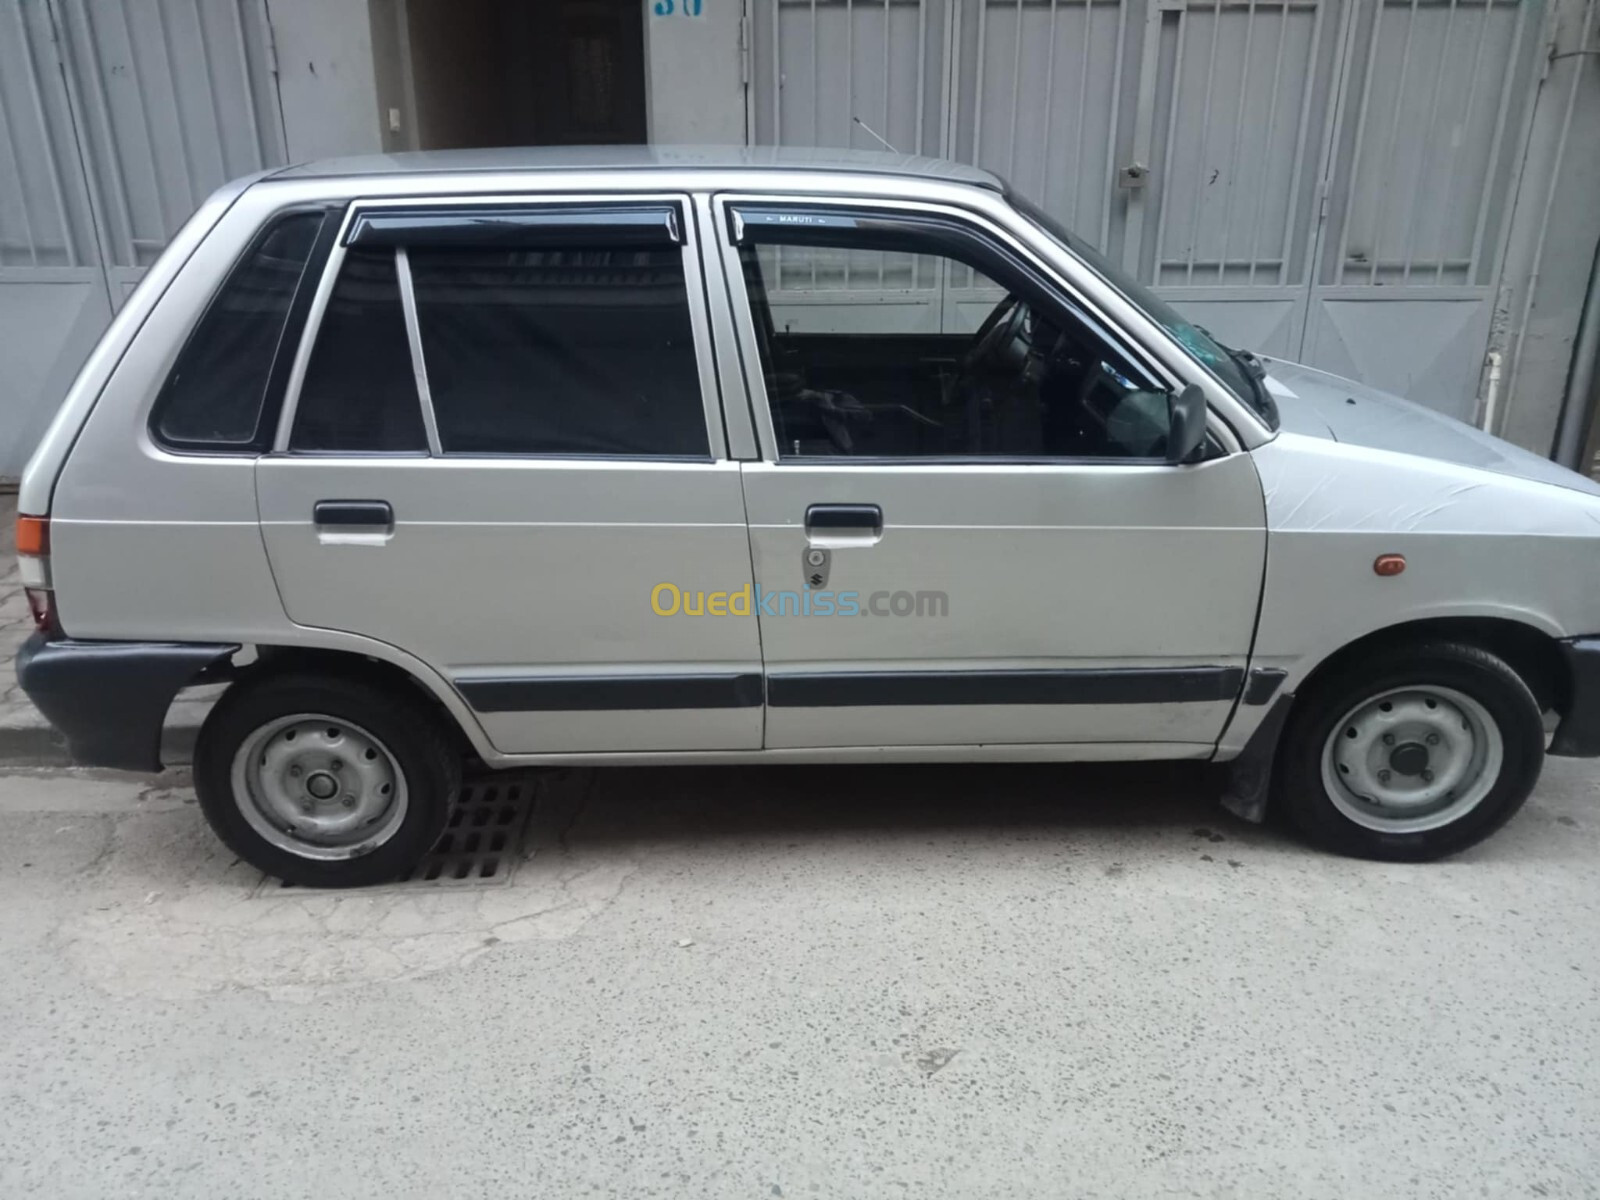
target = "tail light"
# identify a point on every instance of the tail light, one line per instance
(33, 560)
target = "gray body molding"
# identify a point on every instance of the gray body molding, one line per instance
(110, 698)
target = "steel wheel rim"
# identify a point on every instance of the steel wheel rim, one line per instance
(1410, 759)
(319, 787)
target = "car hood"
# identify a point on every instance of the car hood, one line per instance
(1317, 404)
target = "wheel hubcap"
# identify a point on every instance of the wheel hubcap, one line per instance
(1412, 759)
(319, 787)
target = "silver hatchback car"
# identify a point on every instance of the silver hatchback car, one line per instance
(663, 456)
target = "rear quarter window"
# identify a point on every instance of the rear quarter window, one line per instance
(216, 396)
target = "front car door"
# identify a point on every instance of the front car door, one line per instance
(963, 527)
(500, 435)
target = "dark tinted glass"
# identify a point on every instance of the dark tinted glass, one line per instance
(359, 391)
(569, 351)
(214, 395)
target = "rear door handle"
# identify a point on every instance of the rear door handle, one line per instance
(844, 519)
(366, 514)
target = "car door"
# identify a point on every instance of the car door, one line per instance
(963, 527)
(498, 440)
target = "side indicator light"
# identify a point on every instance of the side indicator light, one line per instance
(33, 535)
(1389, 564)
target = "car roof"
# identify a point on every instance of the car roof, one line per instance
(645, 158)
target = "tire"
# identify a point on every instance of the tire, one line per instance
(1465, 747)
(325, 782)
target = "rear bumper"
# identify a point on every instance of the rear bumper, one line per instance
(1578, 735)
(110, 698)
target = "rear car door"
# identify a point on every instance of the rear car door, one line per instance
(963, 526)
(500, 435)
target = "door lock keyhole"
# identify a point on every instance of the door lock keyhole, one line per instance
(814, 567)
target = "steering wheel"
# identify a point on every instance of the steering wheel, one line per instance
(999, 329)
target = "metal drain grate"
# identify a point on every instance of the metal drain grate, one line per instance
(481, 839)
(481, 843)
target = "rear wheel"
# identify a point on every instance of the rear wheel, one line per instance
(324, 782)
(1411, 754)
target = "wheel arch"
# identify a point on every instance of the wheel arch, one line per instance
(1533, 653)
(1529, 650)
(277, 660)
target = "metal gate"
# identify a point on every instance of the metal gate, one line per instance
(117, 117)
(1327, 180)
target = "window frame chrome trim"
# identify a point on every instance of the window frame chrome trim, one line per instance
(737, 418)
(308, 335)
(419, 369)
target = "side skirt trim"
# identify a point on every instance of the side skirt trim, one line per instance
(1137, 685)
(595, 693)
(852, 689)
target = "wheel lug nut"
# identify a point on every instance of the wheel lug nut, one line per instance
(1383, 776)
(1427, 777)
(335, 765)
(349, 801)
(295, 772)
(1433, 739)
(1388, 739)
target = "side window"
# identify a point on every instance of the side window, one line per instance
(882, 338)
(359, 392)
(215, 395)
(569, 349)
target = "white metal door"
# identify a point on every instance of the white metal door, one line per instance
(117, 117)
(53, 298)
(1424, 155)
(1327, 180)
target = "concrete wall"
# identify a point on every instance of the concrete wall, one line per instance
(326, 83)
(693, 71)
(391, 71)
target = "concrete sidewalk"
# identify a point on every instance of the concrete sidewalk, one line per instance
(26, 738)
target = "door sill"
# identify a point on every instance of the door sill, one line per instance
(993, 752)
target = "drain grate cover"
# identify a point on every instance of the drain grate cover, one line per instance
(482, 839)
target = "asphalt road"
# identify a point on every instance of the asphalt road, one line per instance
(821, 982)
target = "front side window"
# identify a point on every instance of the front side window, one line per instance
(881, 338)
(570, 349)
(215, 396)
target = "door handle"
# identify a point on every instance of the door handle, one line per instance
(844, 518)
(363, 513)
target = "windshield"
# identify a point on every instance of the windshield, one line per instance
(1205, 349)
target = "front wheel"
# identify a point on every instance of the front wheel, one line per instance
(324, 782)
(1411, 754)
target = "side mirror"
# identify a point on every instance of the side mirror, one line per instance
(1186, 437)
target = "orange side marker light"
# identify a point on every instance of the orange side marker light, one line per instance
(33, 535)
(1389, 564)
